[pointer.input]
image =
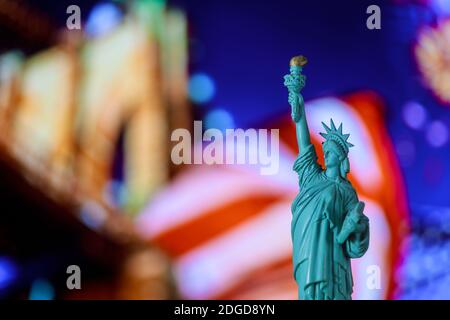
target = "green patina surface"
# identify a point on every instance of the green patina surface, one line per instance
(328, 224)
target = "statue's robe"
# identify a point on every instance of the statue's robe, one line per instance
(321, 265)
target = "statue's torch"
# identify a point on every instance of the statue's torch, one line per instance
(295, 81)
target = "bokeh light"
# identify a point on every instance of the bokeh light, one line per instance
(219, 119)
(441, 7)
(8, 272)
(103, 18)
(201, 88)
(431, 52)
(437, 134)
(41, 289)
(414, 114)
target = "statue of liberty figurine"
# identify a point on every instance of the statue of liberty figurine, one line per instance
(328, 225)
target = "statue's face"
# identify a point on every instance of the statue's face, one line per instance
(331, 157)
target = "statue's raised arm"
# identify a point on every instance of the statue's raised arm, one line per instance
(295, 82)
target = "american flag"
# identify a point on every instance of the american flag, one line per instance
(227, 227)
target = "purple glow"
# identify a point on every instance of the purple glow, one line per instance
(406, 151)
(8, 272)
(414, 115)
(437, 134)
(441, 7)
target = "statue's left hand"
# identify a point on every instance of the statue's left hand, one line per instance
(359, 218)
(355, 222)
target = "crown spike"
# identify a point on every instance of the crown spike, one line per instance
(350, 145)
(345, 135)
(332, 125)
(326, 127)
(340, 128)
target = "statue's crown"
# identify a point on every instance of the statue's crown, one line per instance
(337, 136)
